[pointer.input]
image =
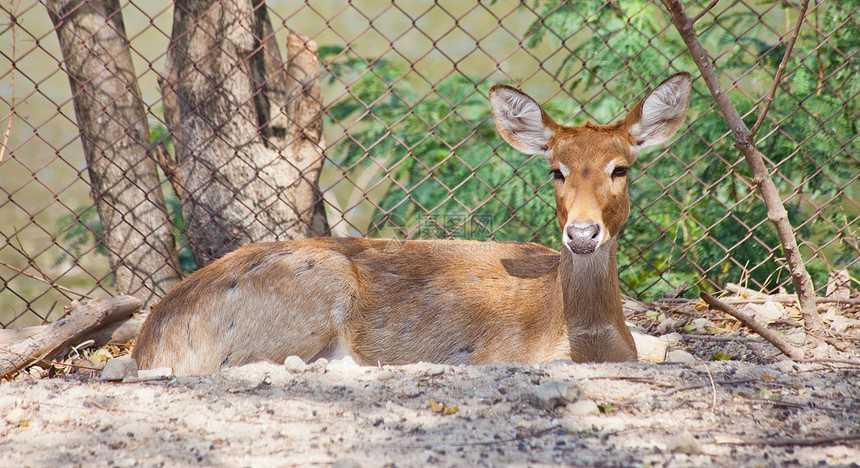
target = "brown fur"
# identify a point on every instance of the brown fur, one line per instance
(394, 302)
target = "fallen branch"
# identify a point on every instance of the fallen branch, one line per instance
(757, 297)
(81, 320)
(118, 332)
(809, 442)
(774, 339)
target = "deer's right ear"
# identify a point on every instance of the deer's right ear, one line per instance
(521, 121)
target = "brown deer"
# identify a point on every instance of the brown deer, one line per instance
(446, 301)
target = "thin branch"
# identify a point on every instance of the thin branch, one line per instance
(705, 11)
(798, 442)
(46, 281)
(776, 212)
(750, 322)
(779, 71)
(13, 20)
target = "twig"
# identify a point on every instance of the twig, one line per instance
(713, 389)
(750, 322)
(739, 339)
(705, 11)
(13, 20)
(46, 281)
(757, 296)
(801, 442)
(168, 167)
(776, 212)
(779, 71)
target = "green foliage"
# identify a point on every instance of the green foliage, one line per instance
(445, 155)
(694, 205)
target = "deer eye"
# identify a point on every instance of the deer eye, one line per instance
(556, 174)
(619, 171)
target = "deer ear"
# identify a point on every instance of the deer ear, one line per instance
(657, 117)
(521, 121)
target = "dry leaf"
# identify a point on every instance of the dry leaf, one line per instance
(441, 407)
(436, 407)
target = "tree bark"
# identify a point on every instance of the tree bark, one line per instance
(247, 136)
(776, 212)
(123, 175)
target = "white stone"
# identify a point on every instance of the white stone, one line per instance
(295, 364)
(681, 356)
(583, 407)
(649, 348)
(119, 369)
(768, 312)
(684, 442)
(552, 394)
(155, 374)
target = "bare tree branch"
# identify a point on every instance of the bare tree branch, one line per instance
(705, 10)
(779, 71)
(776, 212)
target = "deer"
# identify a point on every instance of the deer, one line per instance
(449, 301)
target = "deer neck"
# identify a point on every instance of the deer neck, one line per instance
(592, 305)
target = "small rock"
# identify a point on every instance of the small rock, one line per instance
(684, 442)
(703, 326)
(650, 348)
(669, 324)
(672, 338)
(583, 407)
(436, 369)
(552, 394)
(385, 375)
(319, 365)
(768, 312)
(345, 368)
(295, 364)
(119, 369)
(16, 416)
(346, 462)
(681, 356)
(155, 374)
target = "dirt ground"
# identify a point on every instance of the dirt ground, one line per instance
(732, 401)
(722, 413)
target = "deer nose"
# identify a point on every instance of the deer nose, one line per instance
(583, 237)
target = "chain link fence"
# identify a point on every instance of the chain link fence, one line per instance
(143, 139)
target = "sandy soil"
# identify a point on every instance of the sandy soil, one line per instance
(723, 413)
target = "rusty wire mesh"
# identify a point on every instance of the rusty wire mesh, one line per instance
(410, 149)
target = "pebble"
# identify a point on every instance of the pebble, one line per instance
(768, 312)
(295, 364)
(385, 375)
(681, 356)
(154, 374)
(583, 407)
(16, 416)
(346, 462)
(702, 326)
(552, 394)
(684, 442)
(649, 348)
(319, 365)
(119, 369)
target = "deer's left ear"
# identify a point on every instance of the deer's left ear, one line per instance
(661, 113)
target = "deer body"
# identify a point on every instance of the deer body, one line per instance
(448, 301)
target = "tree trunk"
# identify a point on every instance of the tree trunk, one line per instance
(247, 136)
(115, 136)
